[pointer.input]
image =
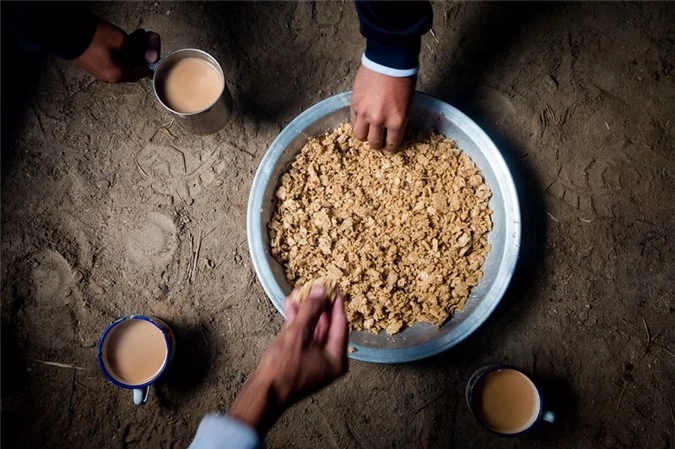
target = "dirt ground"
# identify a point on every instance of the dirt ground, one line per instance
(100, 204)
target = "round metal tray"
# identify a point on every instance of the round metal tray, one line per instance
(421, 340)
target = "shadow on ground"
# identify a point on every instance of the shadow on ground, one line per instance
(21, 72)
(558, 398)
(499, 25)
(14, 380)
(189, 367)
(264, 90)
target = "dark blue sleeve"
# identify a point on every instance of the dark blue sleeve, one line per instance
(64, 28)
(393, 30)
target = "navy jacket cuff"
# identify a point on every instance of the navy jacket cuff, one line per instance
(397, 54)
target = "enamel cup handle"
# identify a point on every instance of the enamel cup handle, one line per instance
(153, 66)
(549, 417)
(141, 395)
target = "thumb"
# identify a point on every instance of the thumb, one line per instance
(153, 48)
(142, 47)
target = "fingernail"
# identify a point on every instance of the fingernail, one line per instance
(151, 56)
(317, 291)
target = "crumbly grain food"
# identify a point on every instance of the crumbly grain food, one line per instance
(328, 284)
(405, 236)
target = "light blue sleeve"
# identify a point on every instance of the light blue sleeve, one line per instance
(222, 432)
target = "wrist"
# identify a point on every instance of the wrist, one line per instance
(257, 405)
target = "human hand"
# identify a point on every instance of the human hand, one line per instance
(380, 105)
(310, 353)
(115, 56)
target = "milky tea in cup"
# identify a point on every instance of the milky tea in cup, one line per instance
(190, 84)
(505, 400)
(134, 351)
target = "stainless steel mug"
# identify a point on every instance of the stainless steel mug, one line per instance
(207, 121)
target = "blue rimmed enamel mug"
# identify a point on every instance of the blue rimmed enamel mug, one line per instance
(109, 347)
(539, 412)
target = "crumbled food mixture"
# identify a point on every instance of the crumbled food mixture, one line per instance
(405, 236)
(328, 284)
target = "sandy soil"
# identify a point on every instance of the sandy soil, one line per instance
(99, 205)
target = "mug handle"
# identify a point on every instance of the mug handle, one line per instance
(153, 65)
(549, 417)
(141, 395)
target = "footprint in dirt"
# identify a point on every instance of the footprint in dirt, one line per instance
(154, 243)
(47, 314)
(52, 277)
(181, 174)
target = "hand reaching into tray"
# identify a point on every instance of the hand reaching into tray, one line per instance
(380, 105)
(309, 354)
(385, 82)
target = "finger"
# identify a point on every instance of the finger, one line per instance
(290, 310)
(153, 48)
(337, 292)
(353, 116)
(336, 344)
(134, 47)
(393, 139)
(310, 312)
(321, 330)
(361, 128)
(317, 292)
(132, 59)
(376, 136)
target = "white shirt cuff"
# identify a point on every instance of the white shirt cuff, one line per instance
(384, 70)
(218, 432)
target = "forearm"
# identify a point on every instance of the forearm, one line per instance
(257, 404)
(296, 364)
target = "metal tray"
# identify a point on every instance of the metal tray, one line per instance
(421, 340)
